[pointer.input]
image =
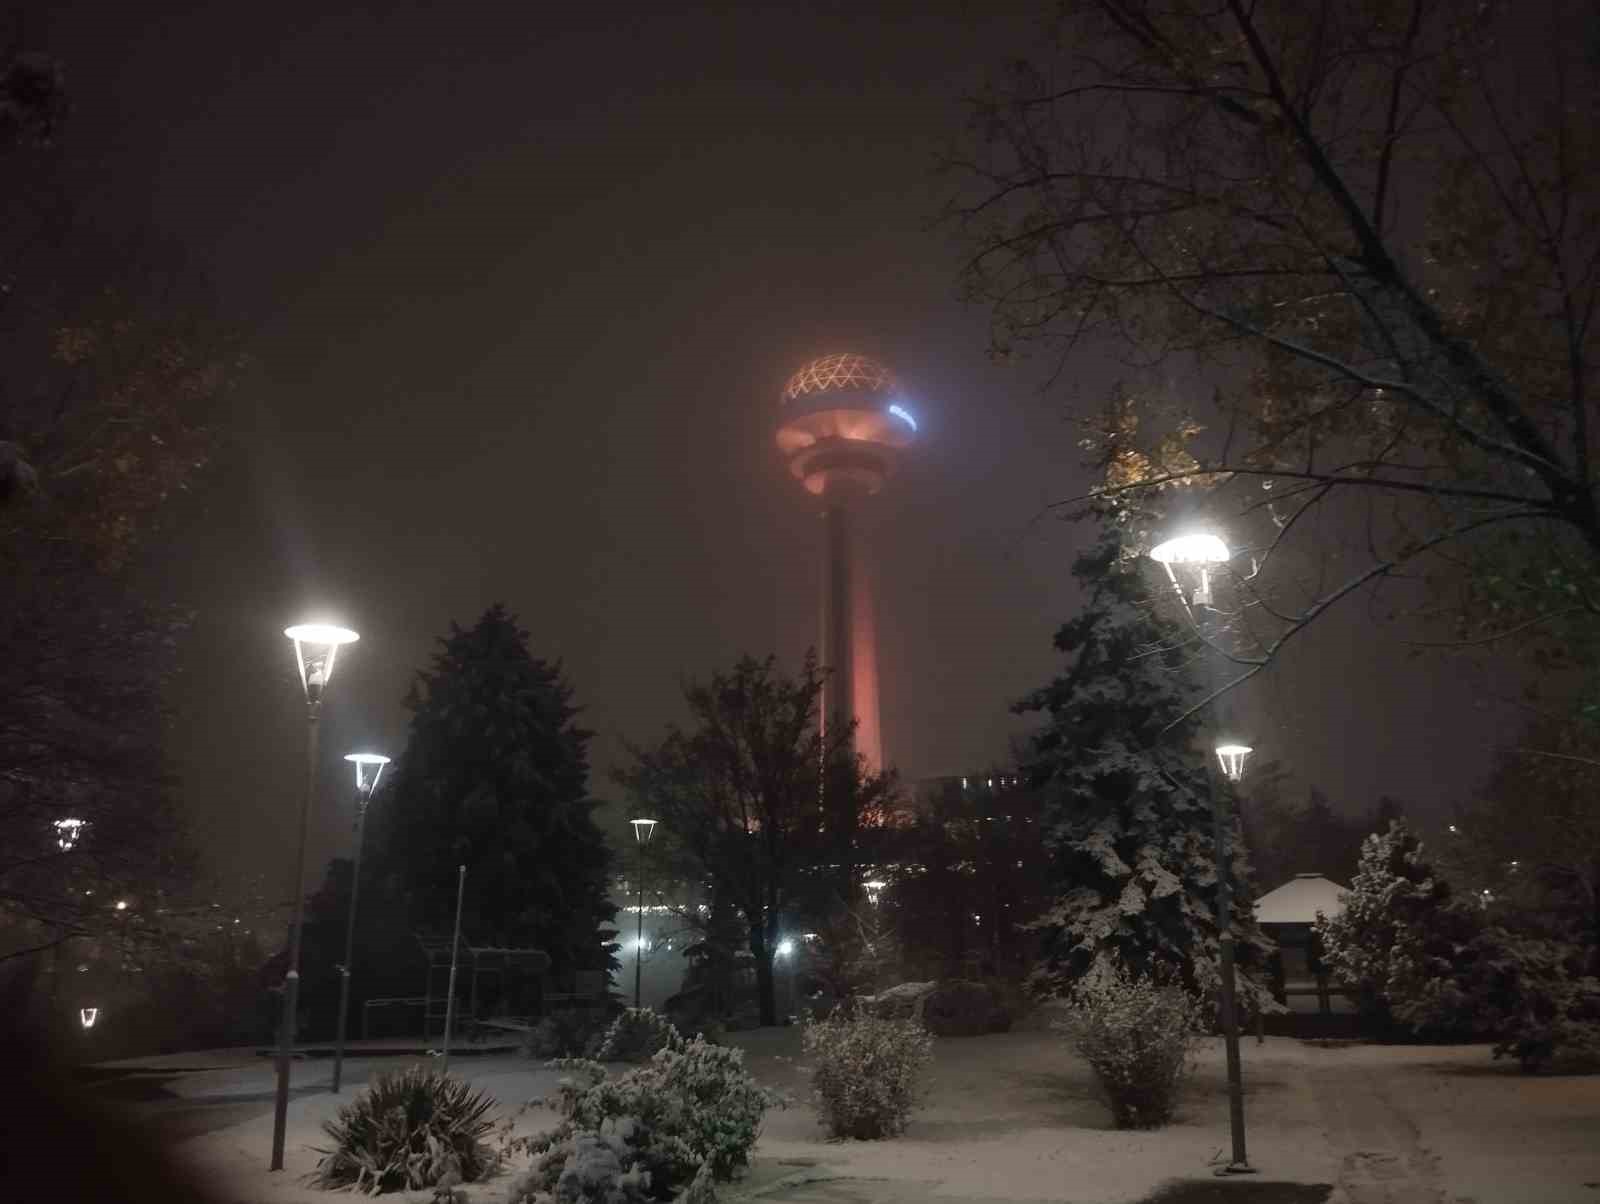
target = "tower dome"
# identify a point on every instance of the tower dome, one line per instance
(836, 373)
(840, 425)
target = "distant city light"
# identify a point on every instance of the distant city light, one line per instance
(122, 905)
(900, 413)
(785, 948)
(67, 832)
(87, 1016)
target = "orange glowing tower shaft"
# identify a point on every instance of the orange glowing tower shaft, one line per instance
(841, 429)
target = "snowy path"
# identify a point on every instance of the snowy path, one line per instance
(1382, 1160)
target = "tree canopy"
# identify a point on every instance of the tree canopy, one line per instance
(765, 800)
(495, 776)
(1363, 236)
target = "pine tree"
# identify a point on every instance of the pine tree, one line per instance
(495, 777)
(1398, 941)
(1127, 813)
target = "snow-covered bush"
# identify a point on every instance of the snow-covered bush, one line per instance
(868, 1071)
(569, 1034)
(586, 1168)
(636, 1036)
(692, 1106)
(1532, 994)
(1138, 1034)
(411, 1129)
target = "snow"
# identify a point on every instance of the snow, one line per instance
(1014, 1117)
(1299, 900)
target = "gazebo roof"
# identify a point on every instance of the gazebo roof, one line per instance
(1300, 899)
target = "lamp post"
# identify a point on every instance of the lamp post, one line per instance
(643, 830)
(1201, 552)
(369, 768)
(316, 647)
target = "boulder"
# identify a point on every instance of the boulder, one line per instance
(903, 1002)
(964, 1009)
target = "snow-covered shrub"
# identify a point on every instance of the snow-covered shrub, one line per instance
(692, 1105)
(1138, 1034)
(868, 1071)
(636, 1036)
(1528, 992)
(586, 1168)
(568, 1034)
(411, 1129)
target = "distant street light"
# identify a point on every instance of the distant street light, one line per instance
(88, 1016)
(369, 768)
(316, 647)
(67, 833)
(643, 830)
(1199, 552)
(874, 890)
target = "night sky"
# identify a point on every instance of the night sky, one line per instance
(524, 286)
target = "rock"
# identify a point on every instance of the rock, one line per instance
(964, 1009)
(903, 1002)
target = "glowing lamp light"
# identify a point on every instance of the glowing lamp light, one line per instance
(1195, 548)
(67, 832)
(903, 415)
(1233, 757)
(316, 645)
(88, 1016)
(643, 829)
(785, 948)
(122, 905)
(369, 768)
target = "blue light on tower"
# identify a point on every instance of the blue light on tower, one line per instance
(900, 413)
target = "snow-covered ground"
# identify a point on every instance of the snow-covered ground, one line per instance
(1014, 1117)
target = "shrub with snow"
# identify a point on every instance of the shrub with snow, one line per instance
(569, 1034)
(692, 1112)
(411, 1129)
(636, 1036)
(868, 1071)
(1138, 1034)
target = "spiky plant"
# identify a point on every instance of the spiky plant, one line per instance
(411, 1129)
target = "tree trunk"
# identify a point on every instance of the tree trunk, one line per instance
(766, 995)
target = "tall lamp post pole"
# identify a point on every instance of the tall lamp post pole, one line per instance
(1201, 552)
(316, 645)
(643, 830)
(369, 768)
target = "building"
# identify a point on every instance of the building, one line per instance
(841, 427)
(1287, 915)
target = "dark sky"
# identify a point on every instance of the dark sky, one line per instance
(524, 285)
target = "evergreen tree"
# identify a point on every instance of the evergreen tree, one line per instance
(1397, 941)
(1127, 806)
(495, 777)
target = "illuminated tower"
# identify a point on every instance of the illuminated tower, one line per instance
(842, 428)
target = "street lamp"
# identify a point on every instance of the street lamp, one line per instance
(1200, 552)
(316, 647)
(369, 768)
(67, 833)
(643, 830)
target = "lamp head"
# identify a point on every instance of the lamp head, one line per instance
(1193, 547)
(88, 1016)
(67, 832)
(315, 647)
(369, 768)
(643, 829)
(1233, 757)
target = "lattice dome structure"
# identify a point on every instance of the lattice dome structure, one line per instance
(836, 372)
